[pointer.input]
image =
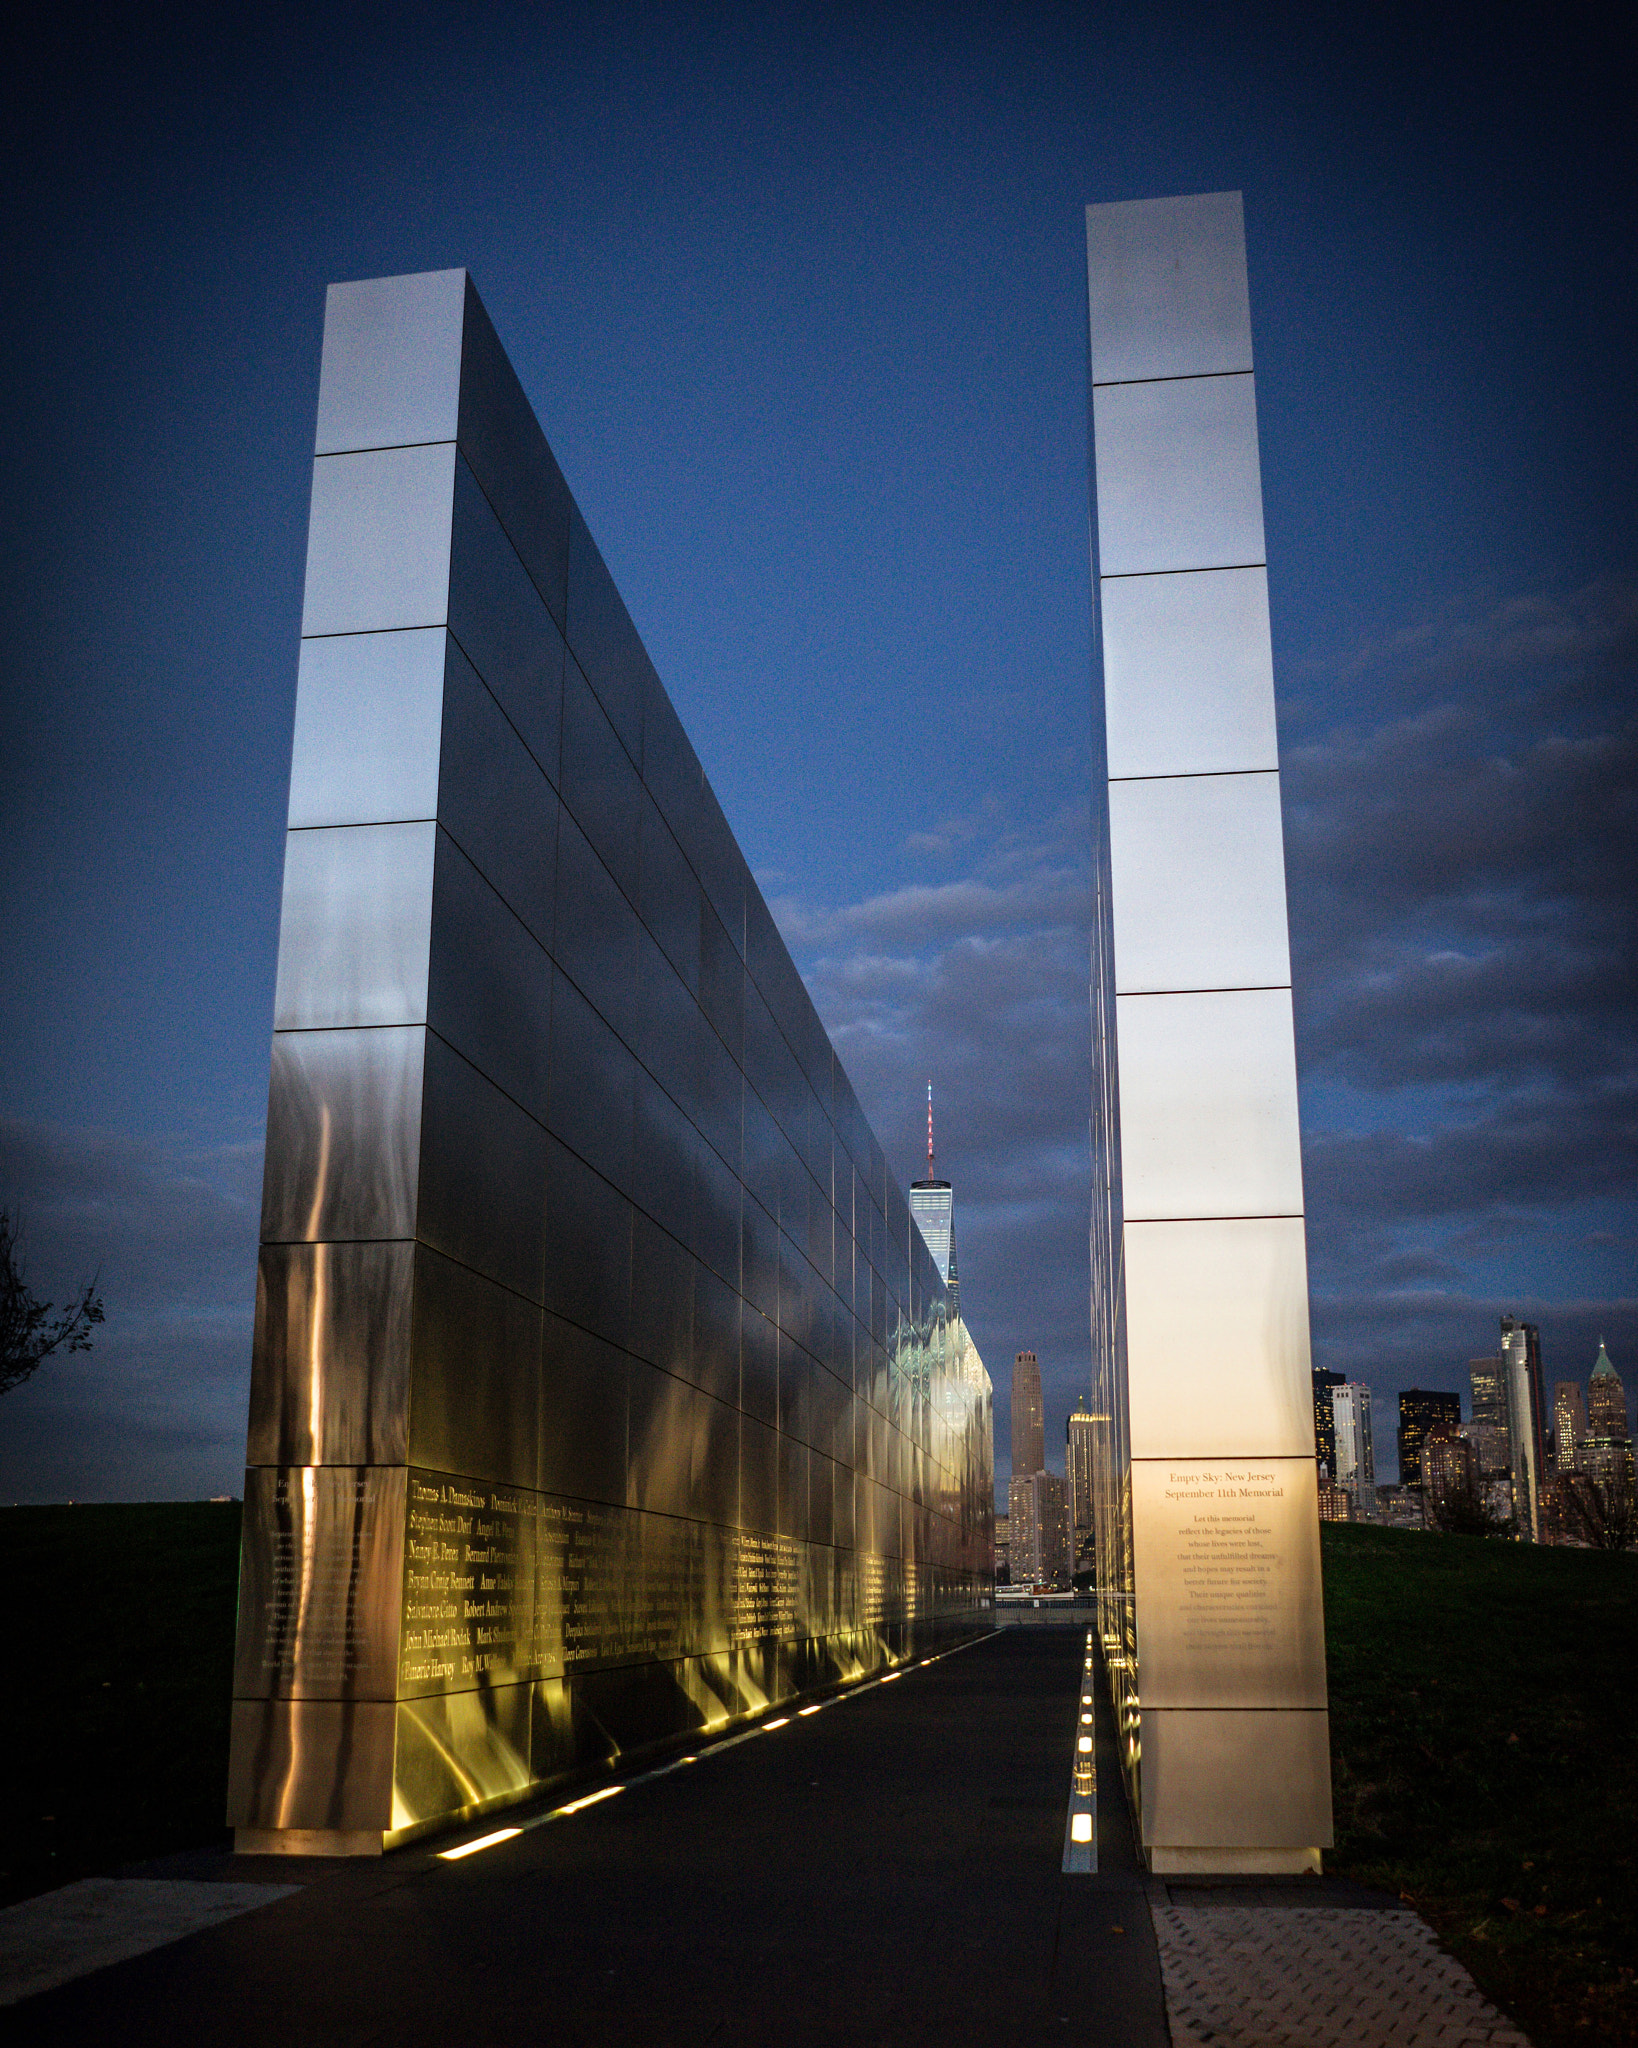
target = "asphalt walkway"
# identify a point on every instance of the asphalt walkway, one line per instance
(885, 1870)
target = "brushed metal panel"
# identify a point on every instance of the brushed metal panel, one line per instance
(456, 1750)
(596, 932)
(475, 1398)
(501, 623)
(1197, 873)
(1236, 1780)
(583, 1414)
(604, 641)
(483, 1174)
(501, 438)
(355, 927)
(320, 1583)
(489, 990)
(593, 1093)
(329, 1381)
(1178, 480)
(1167, 282)
(660, 1440)
(378, 541)
(600, 786)
(588, 1247)
(1226, 1552)
(494, 799)
(343, 1134)
(1208, 1105)
(324, 1765)
(1217, 1353)
(662, 1298)
(391, 370)
(369, 707)
(1188, 673)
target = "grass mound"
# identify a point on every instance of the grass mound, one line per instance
(115, 1716)
(1485, 1761)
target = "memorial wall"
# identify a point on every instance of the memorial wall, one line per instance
(603, 1389)
(1208, 1530)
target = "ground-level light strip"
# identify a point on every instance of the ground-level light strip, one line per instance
(753, 1734)
(1081, 1825)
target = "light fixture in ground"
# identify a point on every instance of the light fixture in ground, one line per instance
(1080, 1827)
(483, 1842)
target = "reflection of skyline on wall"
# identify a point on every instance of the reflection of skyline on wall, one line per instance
(603, 1387)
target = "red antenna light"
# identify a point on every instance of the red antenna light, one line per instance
(929, 1130)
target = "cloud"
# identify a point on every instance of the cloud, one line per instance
(157, 1408)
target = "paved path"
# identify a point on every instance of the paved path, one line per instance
(885, 1871)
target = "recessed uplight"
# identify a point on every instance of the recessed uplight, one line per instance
(472, 1848)
(804, 1712)
(591, 1799)
(768, 1727)
(891, 1675)
(1080, 1827)
(1085, 1745)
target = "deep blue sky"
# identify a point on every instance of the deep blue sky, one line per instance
(798, 296)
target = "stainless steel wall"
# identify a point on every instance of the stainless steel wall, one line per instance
(1208, 1538)
(603, 1388)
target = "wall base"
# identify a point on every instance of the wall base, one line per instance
(1193, 1862)
(307, 1841)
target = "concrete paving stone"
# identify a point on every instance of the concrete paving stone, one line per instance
(101, 1920)
(1303, 1977)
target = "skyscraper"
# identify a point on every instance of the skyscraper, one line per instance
(1079, 1433)
(1527, 1421)
(1028, 1417)
(1420, 1412)
(1325, 1428)
(932, 1204)
(1356, 1455)
(1491, 1439)
(1608, 1455)
(1569, 1422)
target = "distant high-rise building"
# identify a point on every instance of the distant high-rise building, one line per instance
(1527, 1421)
(1003, 1549)
(1450, 1473)
(1491, 1439)
(1488, 1379)
(1356, 1454)
(1420, 1412)
(1336, 1503)
(1569, 1423)
(1608, 1454)
(1038, 1530)
(1028, 1417)
(932, 1204)
(1057, 1567)
(1325, 1428)
(1079, 1432)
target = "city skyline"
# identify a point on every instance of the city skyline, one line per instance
(803, 313)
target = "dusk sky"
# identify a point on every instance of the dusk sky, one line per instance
(798, 296)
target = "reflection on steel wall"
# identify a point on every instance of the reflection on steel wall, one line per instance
(603, 1389)
(1208, 1536)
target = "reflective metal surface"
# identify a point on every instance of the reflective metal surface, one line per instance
(1246, 1780)
(1167, 288)
(1217, 1348)
(1197, 864)
(1202, 1422)
(1183, 489)
(356, 927)
(603, 1389)
(1208, 1105)
(378, 541)
(368, 711)
(1188, 673)
(391, 370)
